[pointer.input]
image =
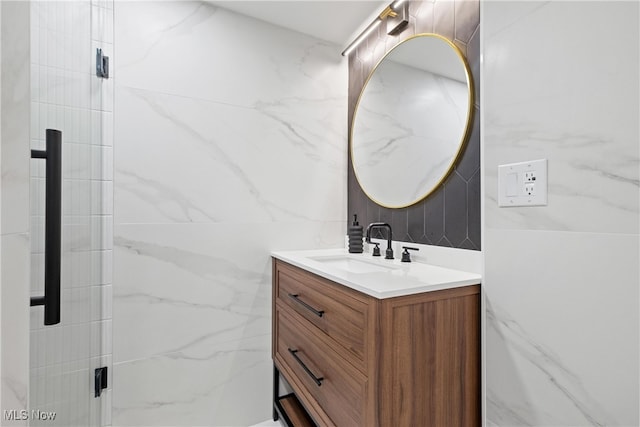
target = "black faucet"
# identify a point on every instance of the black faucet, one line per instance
(389, 252)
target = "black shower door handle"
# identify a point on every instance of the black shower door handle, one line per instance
(52, 227)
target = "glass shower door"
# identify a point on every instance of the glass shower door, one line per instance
(68, 96)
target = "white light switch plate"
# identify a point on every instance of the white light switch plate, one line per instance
(523, 184)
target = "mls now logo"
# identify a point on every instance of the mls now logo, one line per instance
(16, 415)
(23, 414)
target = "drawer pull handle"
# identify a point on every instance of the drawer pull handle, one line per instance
(294, 297)
(315, 379)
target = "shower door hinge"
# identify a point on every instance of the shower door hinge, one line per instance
(100, 380)
(102, 65)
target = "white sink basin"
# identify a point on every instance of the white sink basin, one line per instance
(353, 265)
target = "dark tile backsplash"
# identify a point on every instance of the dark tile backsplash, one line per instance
(450, 216)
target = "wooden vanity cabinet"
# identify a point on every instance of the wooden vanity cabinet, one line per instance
(355, 360)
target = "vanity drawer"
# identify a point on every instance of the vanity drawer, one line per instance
(322, 379)
(340, 314)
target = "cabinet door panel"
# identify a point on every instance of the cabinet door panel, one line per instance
(430, 369)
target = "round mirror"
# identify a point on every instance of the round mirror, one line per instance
(411, 120)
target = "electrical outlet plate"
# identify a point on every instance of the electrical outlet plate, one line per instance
(523, 184)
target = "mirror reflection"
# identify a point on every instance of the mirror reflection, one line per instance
(411, 121)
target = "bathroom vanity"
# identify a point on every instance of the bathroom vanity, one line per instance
(372, 342)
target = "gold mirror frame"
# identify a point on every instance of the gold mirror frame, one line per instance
(461, 145)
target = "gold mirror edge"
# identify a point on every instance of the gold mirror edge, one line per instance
(465, 137)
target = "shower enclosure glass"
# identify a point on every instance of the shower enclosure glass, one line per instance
(67, 95)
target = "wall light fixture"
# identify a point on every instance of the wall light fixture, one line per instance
(397, 17)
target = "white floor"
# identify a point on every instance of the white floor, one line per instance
(269, 423)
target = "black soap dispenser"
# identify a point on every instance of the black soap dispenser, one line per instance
(355, 237)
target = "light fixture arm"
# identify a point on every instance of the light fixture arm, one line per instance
(396, 15)
(387, 12)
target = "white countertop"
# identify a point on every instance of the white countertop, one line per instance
(381, 278)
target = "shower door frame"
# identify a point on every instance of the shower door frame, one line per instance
(16, 234)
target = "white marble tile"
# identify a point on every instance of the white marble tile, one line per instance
(101, 24)
(59, 87)
(102, 262)
(562, 328)
(107, 407)
(76, 304)
(76, 126)
(569, 96)
(102, 93)
(34, 21)
(76, 198)
(180, 286)
(101, 197)
(37, 275)
(52, 54)
(197, 387)
(76, 161)
(76, 269)
(214, 172)
(38, 167)
(562, 281)
(51, 117)
(35, 85)
(72, 393)
(101, 233)
(77, 26)
(15, 126)
(37, 234)
(102, 302)
(37, 193)
(14, 276)
(187, 160)
(34, 132)
(230, 58)
(101, 162)
(101, 338)
(76, 234)
(101, 128)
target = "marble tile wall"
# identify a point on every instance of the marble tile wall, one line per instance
(450, 216)
(67, 95)
(14, 212)
(229, 143)
(560, 81)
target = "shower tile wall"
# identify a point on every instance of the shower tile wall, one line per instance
(562, 281)
(67, 95)
(230, 143)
